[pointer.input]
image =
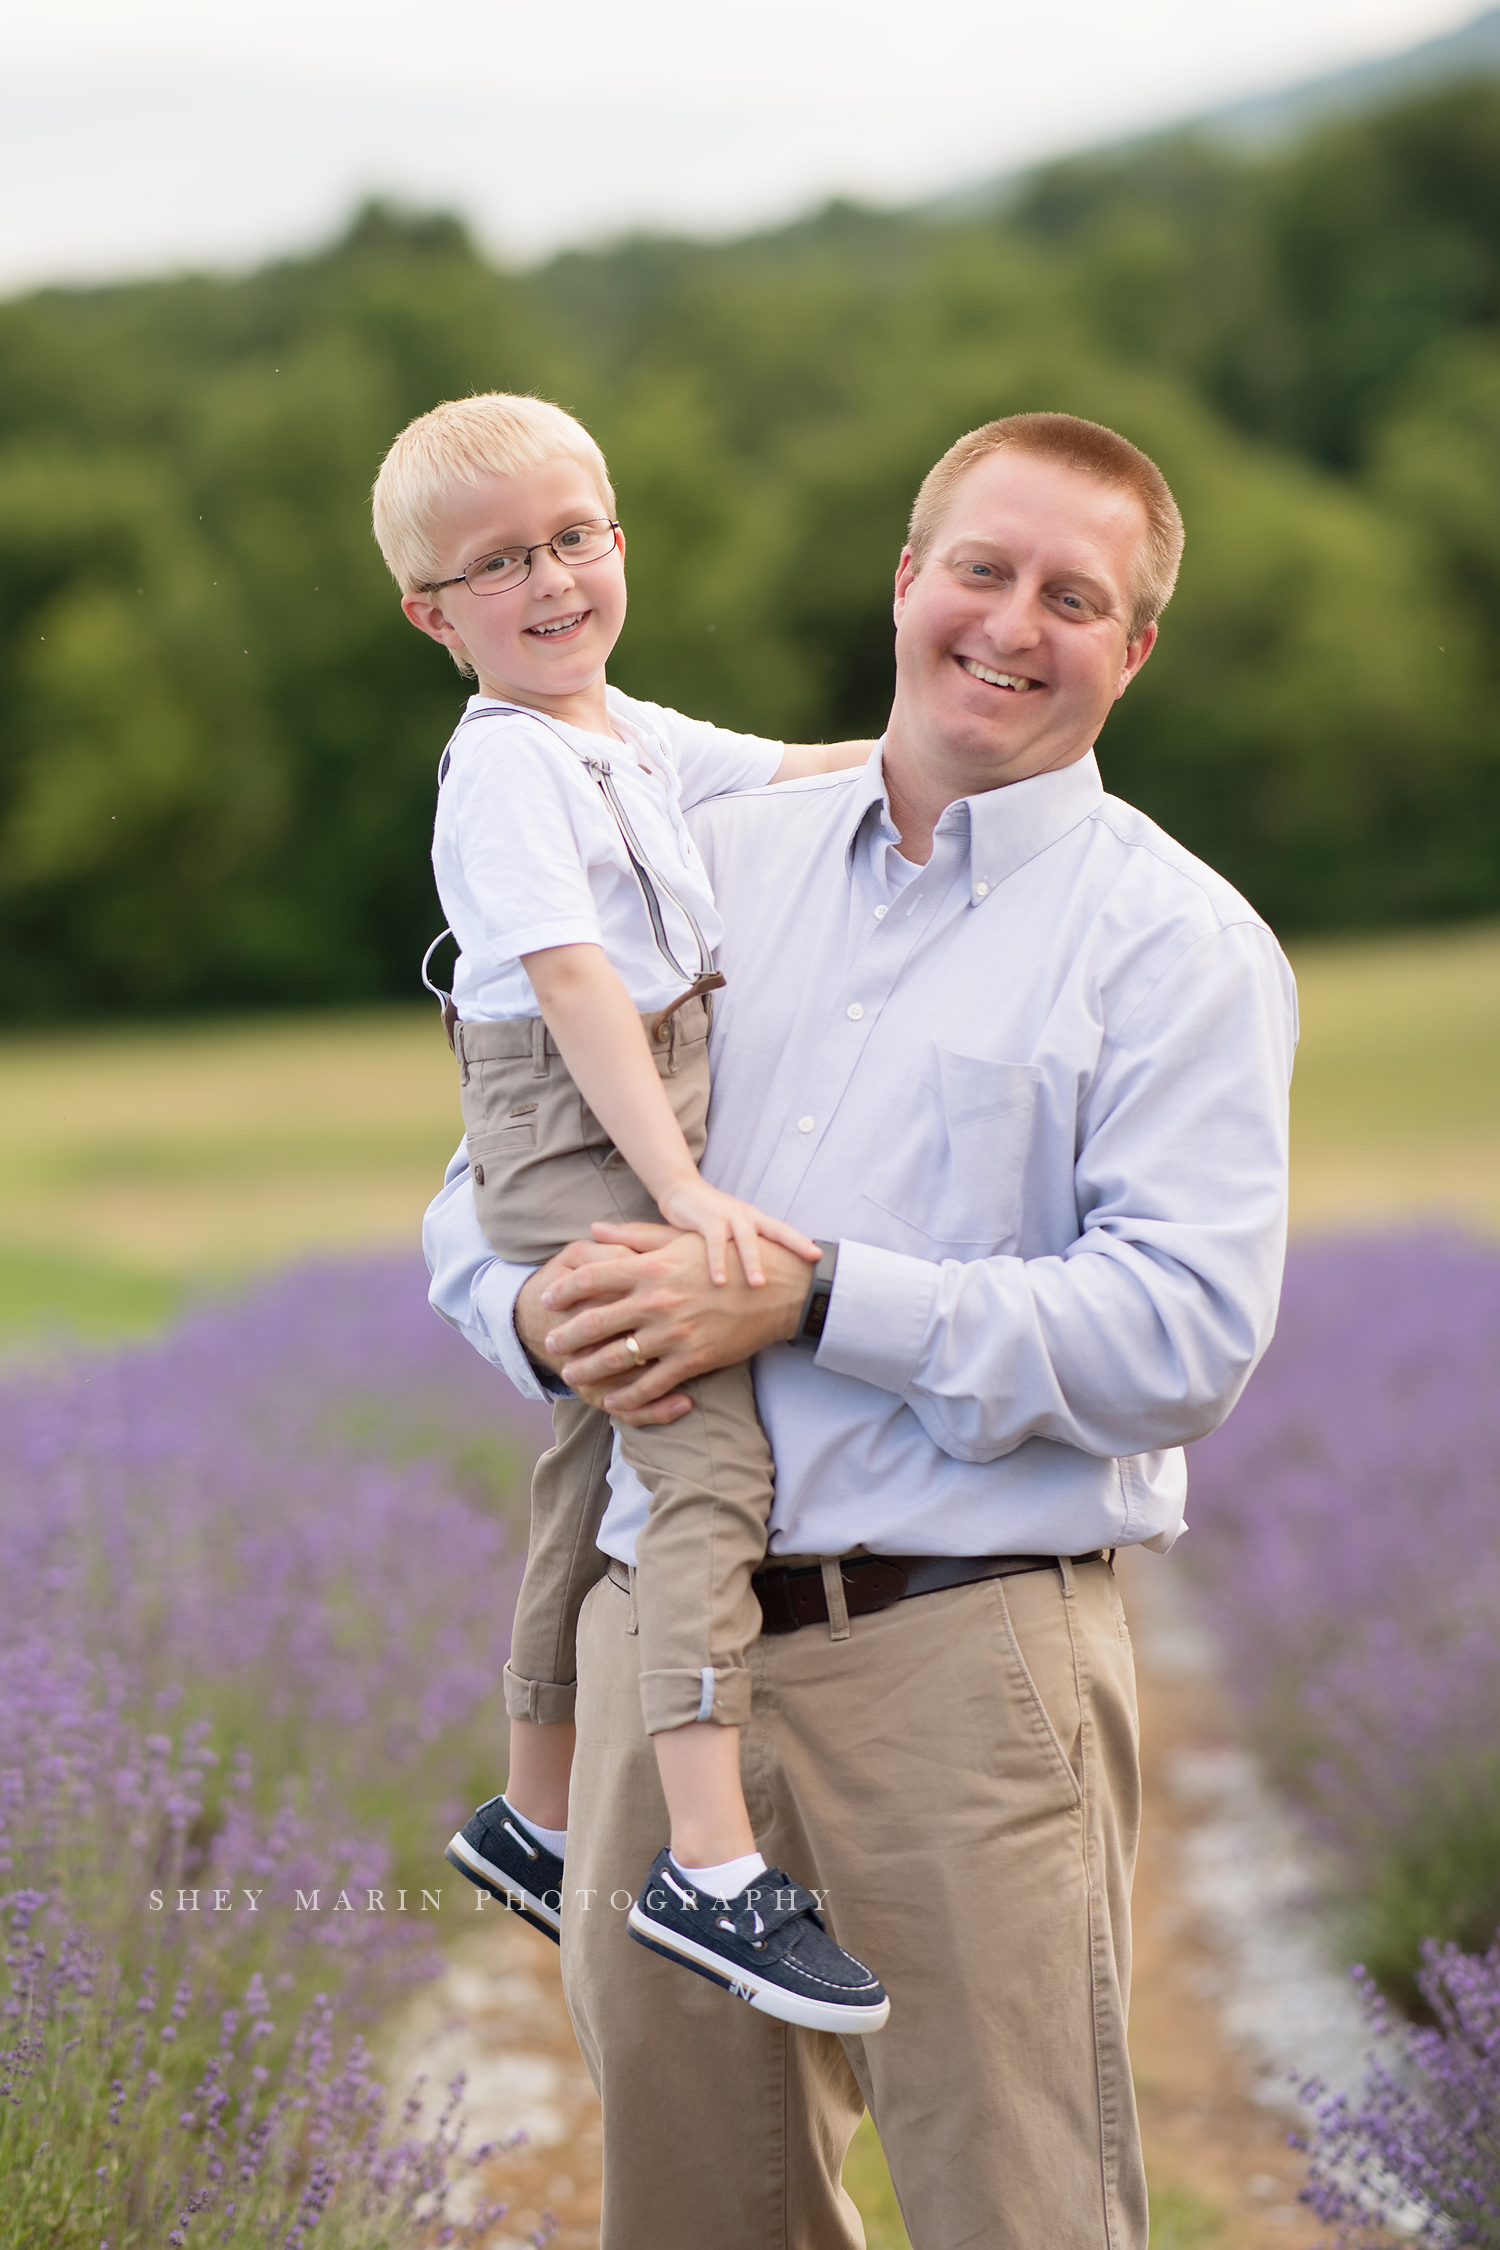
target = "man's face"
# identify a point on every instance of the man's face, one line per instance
(547, 638)
(1012, 638)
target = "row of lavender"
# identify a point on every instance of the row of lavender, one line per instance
(257, 1582)
(1346, 1548)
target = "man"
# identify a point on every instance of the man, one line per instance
(1022, 1063)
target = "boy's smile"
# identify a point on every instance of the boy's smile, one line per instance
(545, 642)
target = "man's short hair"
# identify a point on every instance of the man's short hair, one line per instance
(1073, 444)
(496, 433)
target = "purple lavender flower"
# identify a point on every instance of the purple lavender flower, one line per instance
(1419, 2147)
(1347, 1546)
(258, 1581)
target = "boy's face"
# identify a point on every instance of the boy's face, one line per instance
(547, 639)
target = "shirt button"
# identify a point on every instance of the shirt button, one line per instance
(981, 890)
(855, 1011)
(804, 1124)
(880, 913)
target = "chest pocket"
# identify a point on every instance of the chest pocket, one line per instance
(955, 1179)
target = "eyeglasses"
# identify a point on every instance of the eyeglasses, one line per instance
(511, 566)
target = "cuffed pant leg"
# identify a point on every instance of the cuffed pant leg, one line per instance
(569, 1491)
(710, 1479)
(721, 2127)
(960, 1777)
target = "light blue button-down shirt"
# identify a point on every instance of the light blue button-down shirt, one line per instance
(1037, 1090)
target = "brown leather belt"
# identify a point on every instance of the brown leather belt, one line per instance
(792, 1598)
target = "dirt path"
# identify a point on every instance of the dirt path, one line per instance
(1221, 2173)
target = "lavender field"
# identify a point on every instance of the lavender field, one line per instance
(256, 1576)
(1346, 1548)
(258, 1580)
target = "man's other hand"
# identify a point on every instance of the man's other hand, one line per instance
(652, 1284)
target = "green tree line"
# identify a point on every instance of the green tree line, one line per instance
(218, 736)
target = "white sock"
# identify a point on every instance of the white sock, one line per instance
(726, 1880)
(554, 1840)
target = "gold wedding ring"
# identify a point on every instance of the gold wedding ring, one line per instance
(637, 1356)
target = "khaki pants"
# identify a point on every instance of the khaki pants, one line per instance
(543, 1168)
(958, 1775)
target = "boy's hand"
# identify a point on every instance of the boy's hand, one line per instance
(697, 1208)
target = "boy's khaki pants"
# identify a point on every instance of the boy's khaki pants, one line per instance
(958, 1775)
(543, 1169)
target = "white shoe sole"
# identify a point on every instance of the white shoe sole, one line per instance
(505, 1888)
(759, 1992)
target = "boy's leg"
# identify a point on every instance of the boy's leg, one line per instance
(711, 1479)
(569, 1491)
(721, 2125)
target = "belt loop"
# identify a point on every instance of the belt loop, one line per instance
(1065, 1570)
(456, 1034)
(539, 1051)
(838, 1608)
(632, 1624)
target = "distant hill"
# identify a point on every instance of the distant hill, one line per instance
(1473, 51)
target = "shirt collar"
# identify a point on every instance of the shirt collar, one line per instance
(1005, 827)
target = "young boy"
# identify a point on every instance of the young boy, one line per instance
(580, 1016)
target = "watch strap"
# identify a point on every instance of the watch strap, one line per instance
(819, 1290)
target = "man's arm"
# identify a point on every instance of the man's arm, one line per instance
(477, 1293)
(802, 759)
(501, 1310)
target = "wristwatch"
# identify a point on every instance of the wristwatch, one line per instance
(815, 1306)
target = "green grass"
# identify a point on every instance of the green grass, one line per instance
(44, 1295)
(867, 2179)
(1442, 1881)
(139, 1163)
(1396, 1099)
(1181, 2220)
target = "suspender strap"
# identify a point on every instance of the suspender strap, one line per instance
(654, 885)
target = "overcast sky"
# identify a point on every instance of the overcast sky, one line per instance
(174, 132)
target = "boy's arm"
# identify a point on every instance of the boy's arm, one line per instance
(803, 758)
(598, 1031)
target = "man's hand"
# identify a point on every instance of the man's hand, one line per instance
(653, 1284)
(533, 1318)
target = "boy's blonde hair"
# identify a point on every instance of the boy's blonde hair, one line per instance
(1073, 444)
(495, 434)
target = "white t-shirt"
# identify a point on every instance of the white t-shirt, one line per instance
(527, 853)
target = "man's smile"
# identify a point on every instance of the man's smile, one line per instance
(1011, 680)
(558, 626)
